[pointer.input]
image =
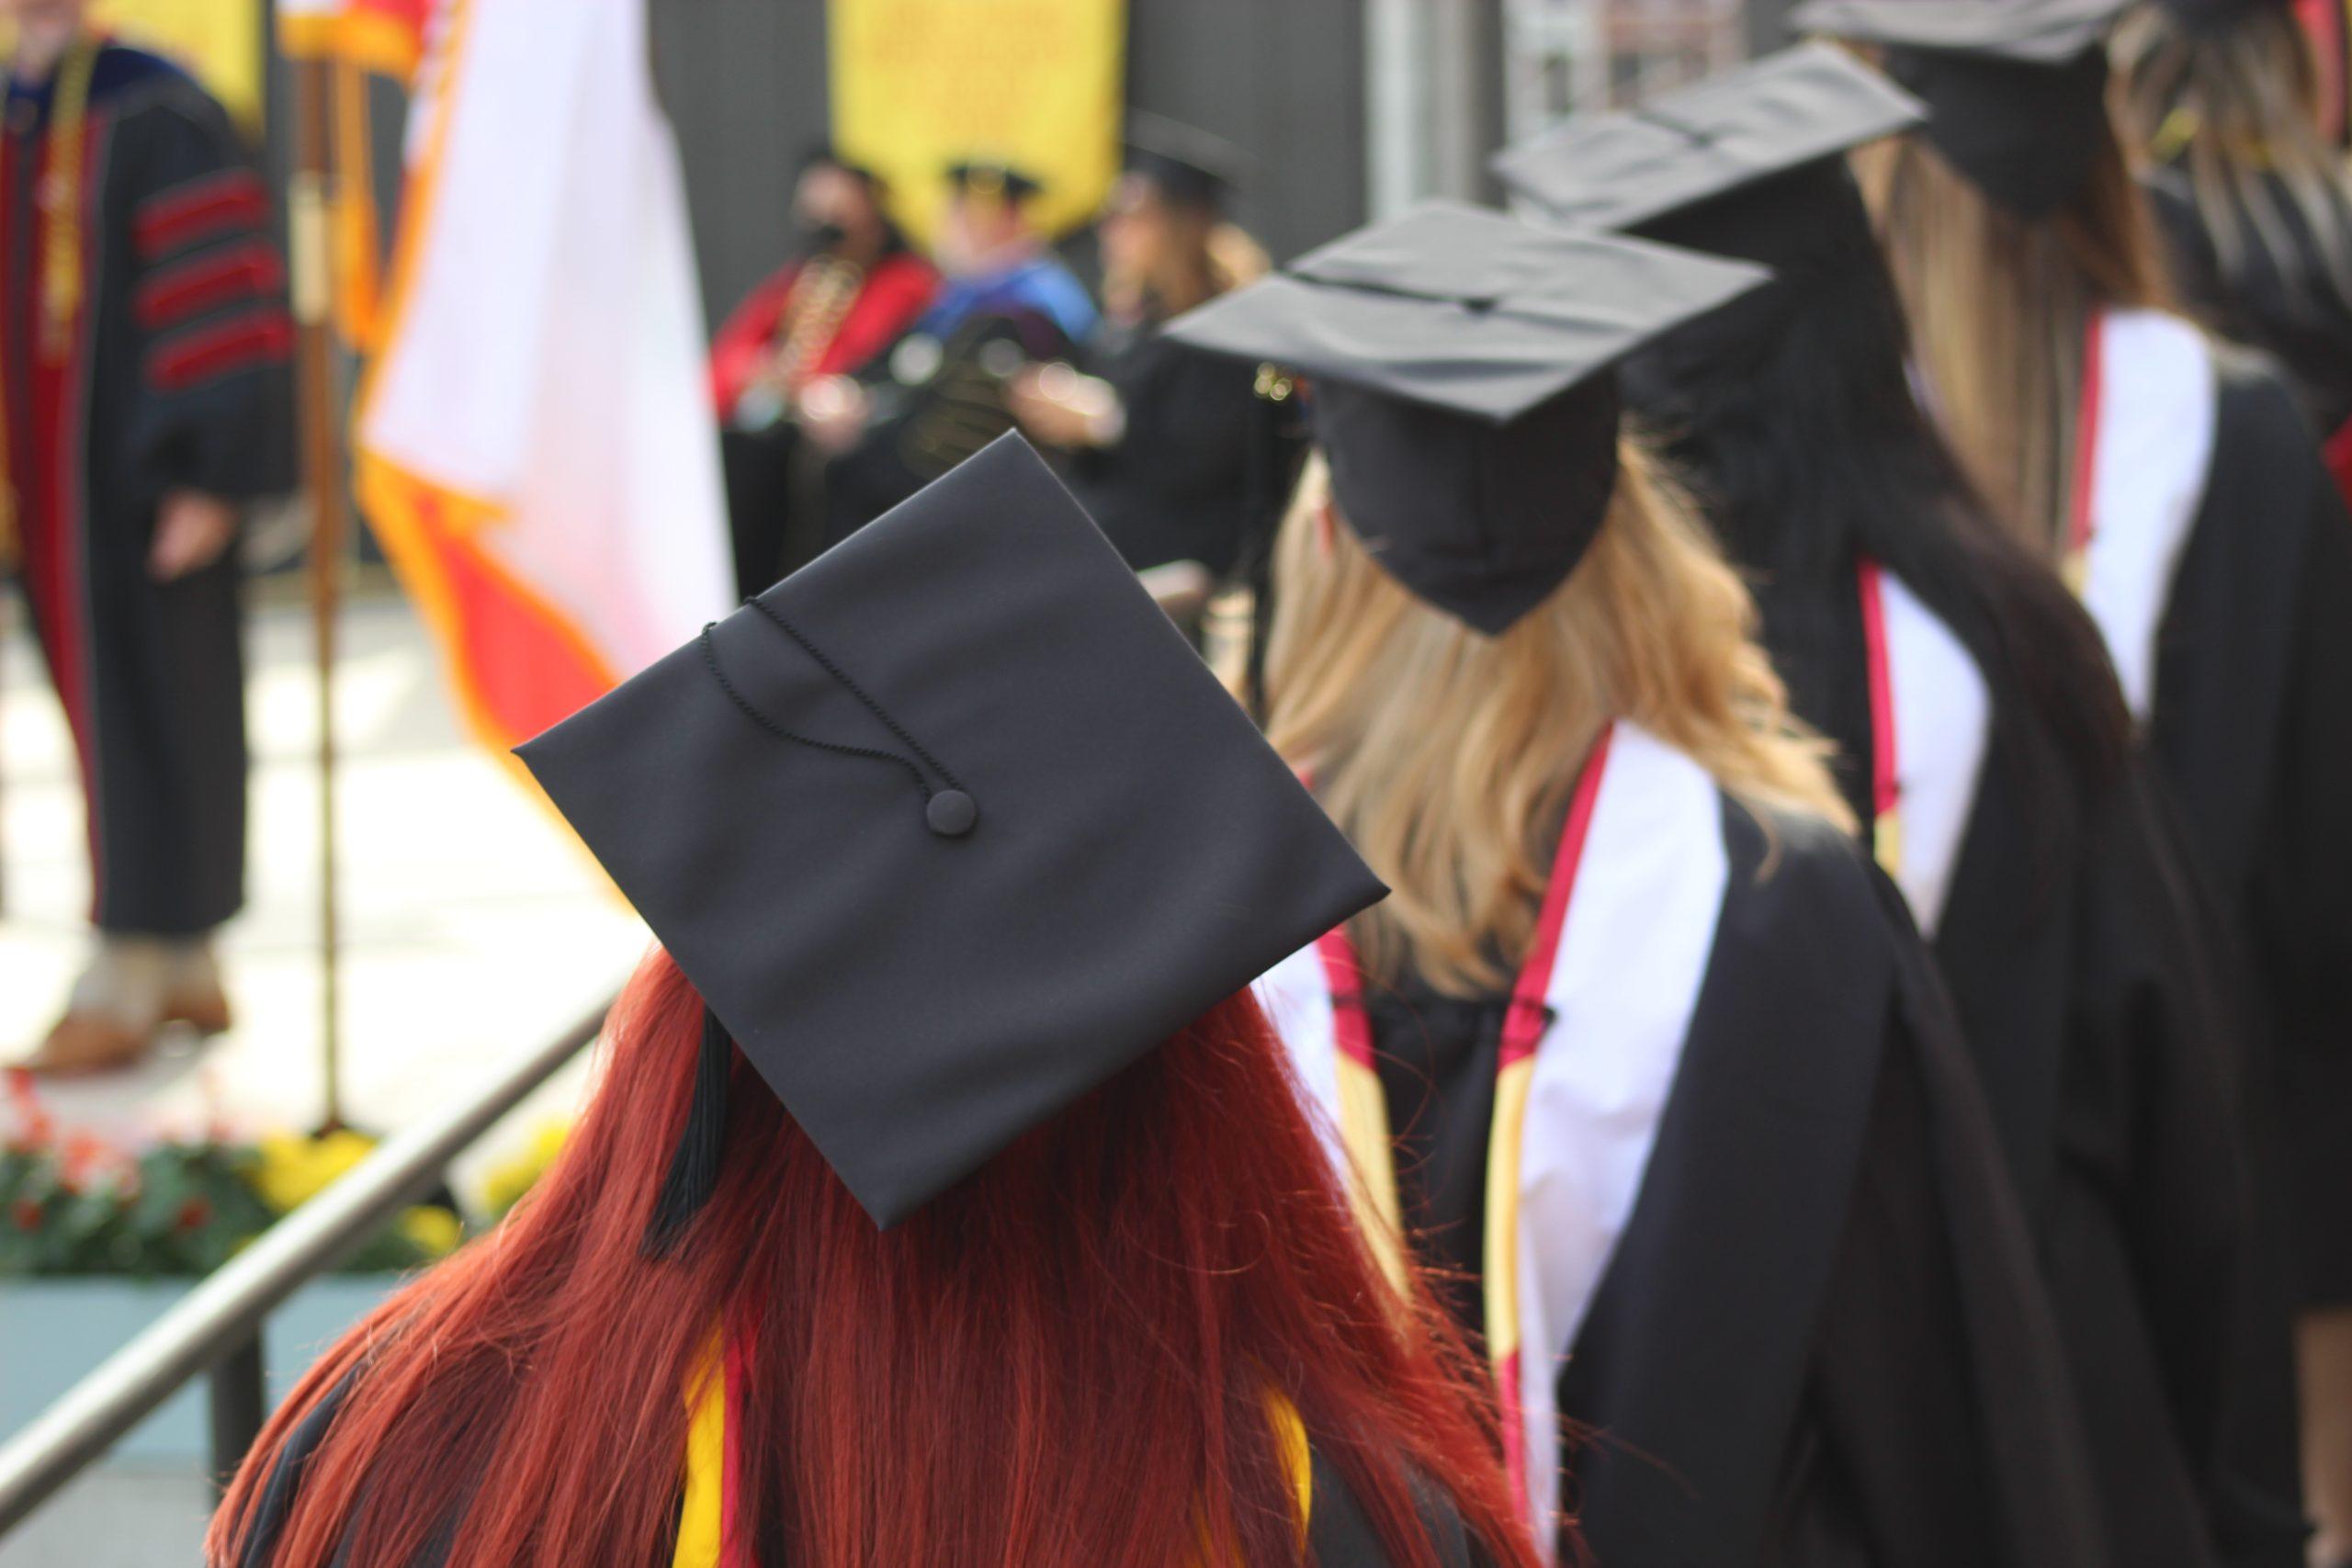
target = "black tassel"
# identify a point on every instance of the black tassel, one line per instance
(693, 1167)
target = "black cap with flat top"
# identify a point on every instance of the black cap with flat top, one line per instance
(1190, 167)
(992, 177)
(1460, 365)
(2016, 90)
(1621, 169)
(949, 827)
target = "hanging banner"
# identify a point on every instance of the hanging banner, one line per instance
(217, 41)
(918, 84)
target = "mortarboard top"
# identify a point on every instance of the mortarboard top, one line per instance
(1619, 170)
(983, 176)
(1023, 836)
(1461, 389)
(2016, 90)
(1188, 165)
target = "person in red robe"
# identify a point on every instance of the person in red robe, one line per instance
(144, 345)
(855, 287)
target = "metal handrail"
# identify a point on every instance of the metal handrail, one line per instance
(221, 1318)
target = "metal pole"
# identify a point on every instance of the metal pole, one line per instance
(322, 465)
(1395, 98)
(239, 1402)
(224, 1312)
(1465, 59)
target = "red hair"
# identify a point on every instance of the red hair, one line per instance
(1067, 1360)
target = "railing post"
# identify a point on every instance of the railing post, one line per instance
(239, 1402)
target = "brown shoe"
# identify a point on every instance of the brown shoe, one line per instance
(85, 1042)
(202, 1008)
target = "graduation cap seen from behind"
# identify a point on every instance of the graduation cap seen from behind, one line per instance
(1621, 169)
(2016, 90)
(992, 177)
(1461, 388)
(949, 827)
(1189, 166)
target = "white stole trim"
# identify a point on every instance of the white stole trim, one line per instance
(1639, 937)
(2158, 406)
(1943, 716)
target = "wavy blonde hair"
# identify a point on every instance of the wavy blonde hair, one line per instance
(1999, 306)
(1448, 757)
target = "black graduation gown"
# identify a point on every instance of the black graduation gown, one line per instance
(2284, 305)
(1820, 1340)
(2086, 995)
(174, 376)
(2251, 728)
(1339, 1535)
(934, 402)
(1183, 482)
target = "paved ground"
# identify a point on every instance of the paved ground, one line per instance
(473, 927)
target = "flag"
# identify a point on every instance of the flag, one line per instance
(385, 37)
(918, 84)
(535, 446)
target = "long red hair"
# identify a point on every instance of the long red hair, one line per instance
(1069, 1359)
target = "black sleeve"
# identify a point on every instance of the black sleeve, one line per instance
(2302, 874)
(208, 302)
(2158, 1122)
(1339, 1534)
(2301, 914)
(286, 1475)
(1939, 1403)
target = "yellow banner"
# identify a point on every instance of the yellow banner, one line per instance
(218, 40)
(918, 84)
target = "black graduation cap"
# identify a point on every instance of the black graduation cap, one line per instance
(1189, 166)
(1461, 388)
(1788, 110)
(2016, 90)
(2208, 16)
(949, 827)
(984, 177)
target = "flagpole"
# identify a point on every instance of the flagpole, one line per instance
(322, 462)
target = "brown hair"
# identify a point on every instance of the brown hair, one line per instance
(2228, 106)
(1999, 306)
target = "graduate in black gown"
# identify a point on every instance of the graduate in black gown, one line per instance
(944, 1197)
(2177, 488)
(1640, 1048)
(943, 388)
(143, 403)
(2220, 97)
(1169, 450)
(1985, 748)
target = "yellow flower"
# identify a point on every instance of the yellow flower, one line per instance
(292, 1170)
(431, 1230)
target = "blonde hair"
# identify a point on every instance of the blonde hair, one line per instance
(2230, 106)
(1999, 306)
(1448, 757)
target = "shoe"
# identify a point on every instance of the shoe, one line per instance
(204, 1008)
(83, 1043)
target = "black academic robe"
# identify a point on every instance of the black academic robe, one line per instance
(2284, 302)
(170, 373)
(1339, 1535)
(1184, 480)
(1820, 1340)
(936, 397)
(2087, 998)
(2249, 726)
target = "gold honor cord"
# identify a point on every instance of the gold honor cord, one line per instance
(58, 193)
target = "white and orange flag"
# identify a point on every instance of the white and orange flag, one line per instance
(535, 446)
